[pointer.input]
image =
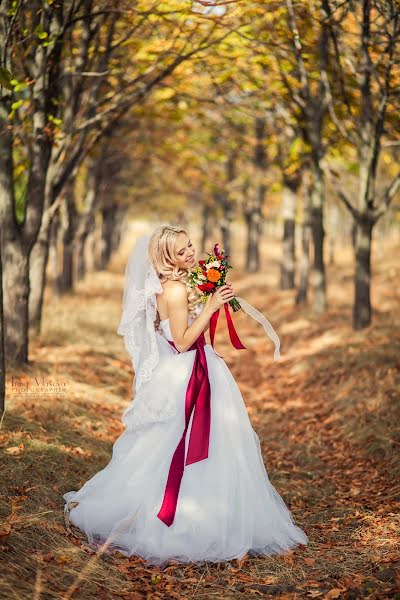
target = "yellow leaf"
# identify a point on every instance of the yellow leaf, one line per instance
(14, 450)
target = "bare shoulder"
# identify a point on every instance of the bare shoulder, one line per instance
(175, 291)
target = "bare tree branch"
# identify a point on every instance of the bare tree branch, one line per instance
(354, 212)
(298, 47)
(388, 196)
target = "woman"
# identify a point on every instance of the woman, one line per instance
(186, 480)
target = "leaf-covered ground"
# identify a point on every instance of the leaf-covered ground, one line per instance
(327, 415)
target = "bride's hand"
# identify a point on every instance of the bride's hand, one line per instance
(220, 296)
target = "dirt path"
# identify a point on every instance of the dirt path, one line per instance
(327, 415)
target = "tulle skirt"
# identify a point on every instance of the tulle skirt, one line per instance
(227, 506)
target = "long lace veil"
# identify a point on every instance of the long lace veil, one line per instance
(139, 310)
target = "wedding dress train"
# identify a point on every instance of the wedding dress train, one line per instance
(226, 507)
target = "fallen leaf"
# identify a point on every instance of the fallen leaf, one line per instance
(334, 593)
(5, 530)
(14, 450)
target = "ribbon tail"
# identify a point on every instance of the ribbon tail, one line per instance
(170, 500)
(269, 330)
(236, 342)
(200, 392)
(213, 326)
(199, 440)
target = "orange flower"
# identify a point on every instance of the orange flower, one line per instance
(213, 275)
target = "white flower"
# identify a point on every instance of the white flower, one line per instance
(210, 265)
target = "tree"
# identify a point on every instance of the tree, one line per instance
(291, 44)
(2, 357)
(85, 67)
(20, 231)
(366, 87)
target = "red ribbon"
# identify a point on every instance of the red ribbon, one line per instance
(198, 396)
(236, 342)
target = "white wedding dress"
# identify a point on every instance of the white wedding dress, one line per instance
(227, 506)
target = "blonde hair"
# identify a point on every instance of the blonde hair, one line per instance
(162, 256)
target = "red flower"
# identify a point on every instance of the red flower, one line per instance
(206, 287)
(201, 262)
(216, 251)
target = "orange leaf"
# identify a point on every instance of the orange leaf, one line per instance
(5, 530)
(334, 593)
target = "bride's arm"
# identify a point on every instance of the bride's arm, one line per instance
(182, 334)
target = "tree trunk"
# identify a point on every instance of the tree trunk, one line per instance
(225, 226)
(319, 279)
(117, 229)
(67, 234)
(334, 229)
(353, 234)
(53, 253)
(37, 277)
(254, 229)
(66, 278)
(16, 299)
(288, 241)
(2, 357)
(91, 245)
(80, 252)
(40, 256)
(44, 68)
(253, 210)
(15, 253)
(362, 276)
(86, 222)
(106, 235)
(306, 237)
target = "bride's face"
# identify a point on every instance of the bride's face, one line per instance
(184, 252)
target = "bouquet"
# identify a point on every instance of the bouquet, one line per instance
(211, 274)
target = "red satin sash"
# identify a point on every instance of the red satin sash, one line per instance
(198, 396)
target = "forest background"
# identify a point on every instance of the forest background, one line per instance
(271, 127)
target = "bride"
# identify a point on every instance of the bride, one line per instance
(186, 481)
